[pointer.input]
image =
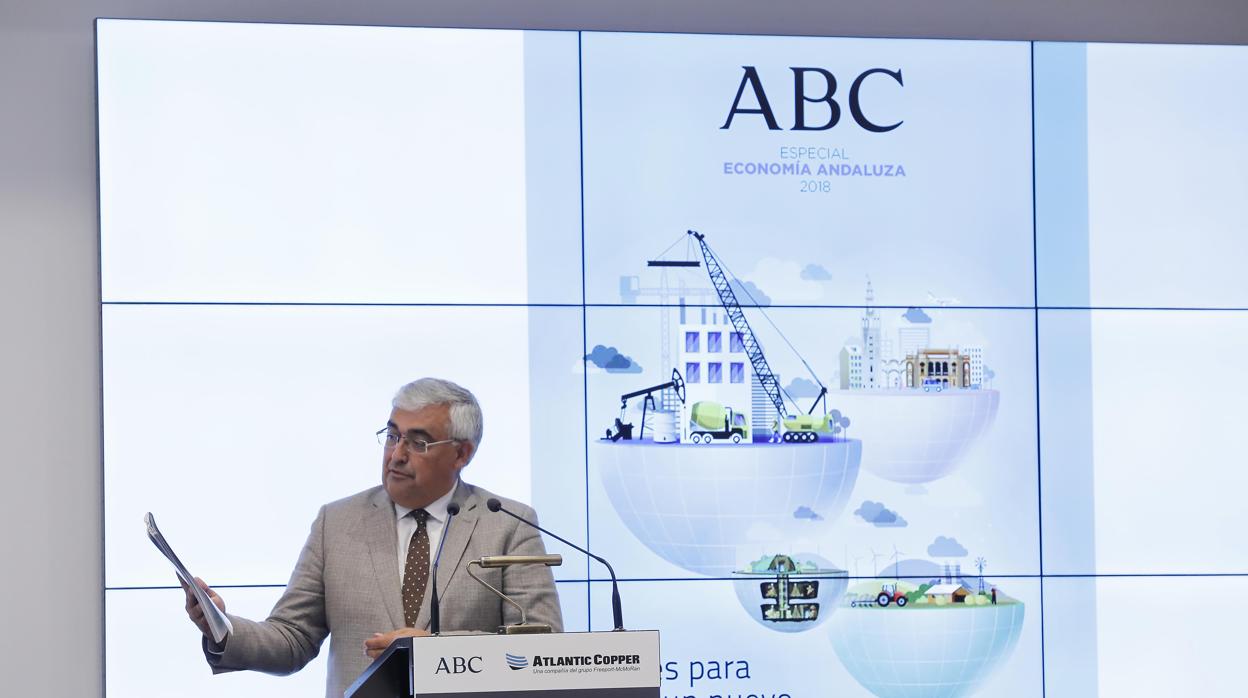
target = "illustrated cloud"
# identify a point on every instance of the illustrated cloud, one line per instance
(815, 272)
(749, 294)
(916, 315)
(612, 360)
(946, 547)
(876, 514)
(782, 281)
(805, 512)
(802, 387)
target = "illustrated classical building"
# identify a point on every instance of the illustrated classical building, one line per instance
(942, 368)
(892, 373)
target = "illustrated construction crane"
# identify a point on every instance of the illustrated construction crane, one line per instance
(631, 290)
(796, 428)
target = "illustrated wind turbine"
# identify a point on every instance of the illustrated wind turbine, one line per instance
(875, 567)
(897, 562)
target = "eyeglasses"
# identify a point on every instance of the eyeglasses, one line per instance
(390, 439)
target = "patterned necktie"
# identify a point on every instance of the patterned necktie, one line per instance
(416, 570)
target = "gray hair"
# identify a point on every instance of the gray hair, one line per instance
(466, 421)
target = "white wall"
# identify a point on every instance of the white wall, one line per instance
(51, 617)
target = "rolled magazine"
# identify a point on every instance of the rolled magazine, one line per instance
(218, 623)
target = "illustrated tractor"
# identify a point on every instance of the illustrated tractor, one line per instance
(890, 594)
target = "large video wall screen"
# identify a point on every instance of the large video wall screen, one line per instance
(875, 366)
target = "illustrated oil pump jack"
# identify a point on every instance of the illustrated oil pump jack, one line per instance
(624, 430)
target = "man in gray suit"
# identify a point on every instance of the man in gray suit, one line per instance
(363, 576)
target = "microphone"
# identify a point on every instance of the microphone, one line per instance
(435, 616)
(618, 615)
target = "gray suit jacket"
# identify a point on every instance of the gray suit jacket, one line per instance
(346, 586)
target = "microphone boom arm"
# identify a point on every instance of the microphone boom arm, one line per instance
(616, 611)
(523, 627)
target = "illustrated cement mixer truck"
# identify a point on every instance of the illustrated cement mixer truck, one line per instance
(710, 421)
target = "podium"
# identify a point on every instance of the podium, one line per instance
(621, 664)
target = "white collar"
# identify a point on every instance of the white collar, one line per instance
(436, 510)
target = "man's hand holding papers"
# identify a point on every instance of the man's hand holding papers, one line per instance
(202, 603)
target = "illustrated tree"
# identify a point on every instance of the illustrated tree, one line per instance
(834, 421)
(919, 593)
(844, 423)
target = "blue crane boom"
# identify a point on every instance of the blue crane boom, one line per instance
(728, 299)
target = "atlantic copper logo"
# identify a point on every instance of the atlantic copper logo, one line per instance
(517, 661)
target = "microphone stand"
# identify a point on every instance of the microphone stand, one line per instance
(435, 615)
